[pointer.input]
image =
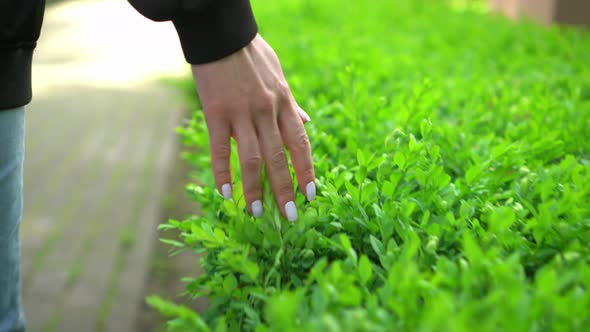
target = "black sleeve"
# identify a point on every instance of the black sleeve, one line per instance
(20, 25)
(208, 29)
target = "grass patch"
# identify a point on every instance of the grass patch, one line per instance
(452, 150)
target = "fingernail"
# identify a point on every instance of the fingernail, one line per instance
(304, 115)
(310, 191)
(257, 209)
(291, 211)
(226, 191)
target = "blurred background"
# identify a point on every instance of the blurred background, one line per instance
(102, 163)
(575, 12)
(102, 166)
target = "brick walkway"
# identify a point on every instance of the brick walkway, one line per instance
(99, 149)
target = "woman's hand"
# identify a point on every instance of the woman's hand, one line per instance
(245, 96)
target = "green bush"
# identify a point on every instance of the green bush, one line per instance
(452, 150)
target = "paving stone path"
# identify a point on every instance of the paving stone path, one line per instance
(99, 149)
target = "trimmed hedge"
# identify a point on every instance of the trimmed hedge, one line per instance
(452, 150)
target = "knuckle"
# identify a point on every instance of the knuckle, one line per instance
(284, 190)
(220, 152)
(308, 173)
(302, 141)
(215, 108)
(283, 91)
(251, 194)
(252, 163)
(264, 103)
(222, 173)
(278, 158)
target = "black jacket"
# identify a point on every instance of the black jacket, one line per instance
(208, 30)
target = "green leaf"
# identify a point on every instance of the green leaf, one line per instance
(352, 190)
(173, 243)
(230, 283)
(360, 174)
(345, 241)
(471, 249)
(501, 219)
(472, 174)
(425, 128)
(466, 210)
(365, 269)
(400, 160)
(425, 218)
(411, 244)
(184, 319)
(252, 270)
(360, 157)
(388, 188)
(167, 226)
(377, 245)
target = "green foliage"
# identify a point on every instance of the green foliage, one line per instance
(452, 150)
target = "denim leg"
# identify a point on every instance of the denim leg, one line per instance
(12, 134)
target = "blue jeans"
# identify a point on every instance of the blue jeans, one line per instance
(12, 137)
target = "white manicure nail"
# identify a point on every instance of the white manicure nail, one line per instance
(257, 209)
(310, 190)
(291, 211)
(304, 114)
(226, 191)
